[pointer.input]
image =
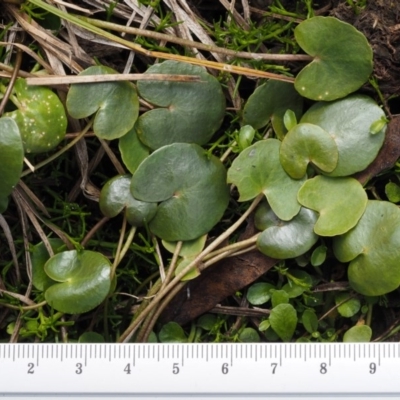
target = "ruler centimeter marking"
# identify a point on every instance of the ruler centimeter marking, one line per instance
(253, 369)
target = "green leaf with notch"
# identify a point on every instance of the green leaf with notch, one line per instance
(116, 104)
(12, 159)
(270, 101)
(115, 196)
(373, 250)
(40, 117)
(258, 170)
(348, 121)
(307, 143)
(190, 186)
(83, 280)
(342, 58)
(186, 112)
(340, 203)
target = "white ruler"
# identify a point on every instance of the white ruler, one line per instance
(201, 371)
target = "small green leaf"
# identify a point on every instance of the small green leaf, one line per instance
(116, 104)
(373, 249)
(289, 119)
(191, 186)
(310, 321)
(392, 192)
(298, 283)
(257, 170)
(12, 159)
(348, 308)
(91, 337)
(279, 297)
(115, 196)
(377, 126)
(264, 325)
(246, 136)
(286, 239)
(340, 202)
(270, 101)
(358, 333)
(283, 321)
(342, 58)
(207, 321)
(133, 151)
(304, 144)
(40, 117)
(84, 281)
(318, 256)
(259, 293)
(187, 112)
(249, 335)
(172, 333)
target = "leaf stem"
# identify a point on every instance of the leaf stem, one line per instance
(162, 293)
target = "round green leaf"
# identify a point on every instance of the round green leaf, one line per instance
(289, 119)
(358, 333)
(308, 143)
(373, 247)
(392, 192)
(91, 337)
(259, 293)
(270, 101)
(342, 58)
(340, 203)
(12, 159)
(191, 186)
(207, 321)
(188, 112)
(172, 333)
(245, 136)
(283, 321)
(115, 103)
(133, 151)
(39, 257)
(116, 196)
(249, 335)
(348, 121)
(40, 117)
(318, 256)
(84, 281)
(288, 239)
(348, 308)
(257, 170)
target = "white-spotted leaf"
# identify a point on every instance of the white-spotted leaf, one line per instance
(342, 58)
